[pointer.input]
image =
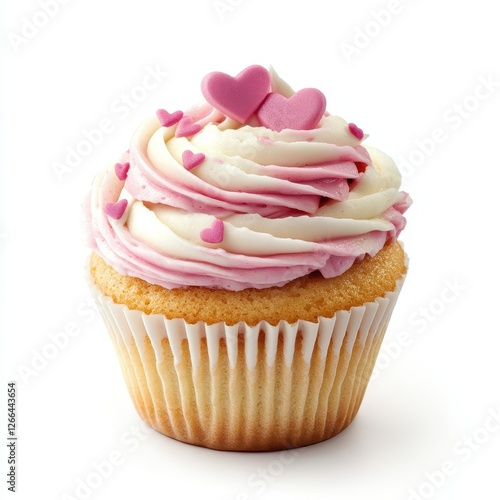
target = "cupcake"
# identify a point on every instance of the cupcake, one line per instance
(245, 260)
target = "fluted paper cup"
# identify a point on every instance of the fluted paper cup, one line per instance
(241, 387)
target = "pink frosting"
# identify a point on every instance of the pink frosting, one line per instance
(326, 205)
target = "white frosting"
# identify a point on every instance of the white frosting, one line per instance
(291, 202)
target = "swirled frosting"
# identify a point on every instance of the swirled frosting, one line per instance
(247, 206)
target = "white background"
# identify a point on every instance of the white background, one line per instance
(415, 83)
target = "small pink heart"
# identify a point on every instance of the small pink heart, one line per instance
(116, 210)
(302, 111)
(121, 170)
(356, 131)
(237, 97)
(191, 160)
(214, 233)
(168, 119)
(186, 127)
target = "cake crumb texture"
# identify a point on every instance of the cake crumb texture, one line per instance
(307, 298)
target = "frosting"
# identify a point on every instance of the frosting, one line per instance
(253, 188)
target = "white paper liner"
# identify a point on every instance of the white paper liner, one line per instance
(296, 400)
(361, 322)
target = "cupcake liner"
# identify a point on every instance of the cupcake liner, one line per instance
(242, 387)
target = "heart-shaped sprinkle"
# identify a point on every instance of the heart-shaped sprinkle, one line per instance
(356, 131)
(186, 127)
(191, 160)
(116, 210)
(168, 119)
(214, 233)
(302, 111)
(121, 170)
(240, 96)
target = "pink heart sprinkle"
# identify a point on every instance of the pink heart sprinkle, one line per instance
(302, 111)
(186, 127)
(191, 160)
(356, 131)
(168, 119)
(237, 97)
(121, 170)
(116, 210)
(214, 233)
